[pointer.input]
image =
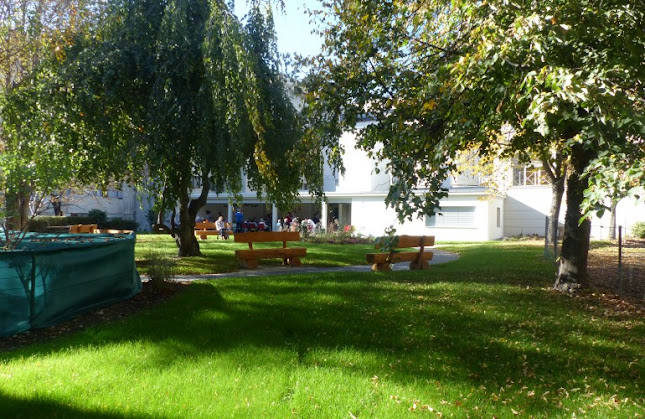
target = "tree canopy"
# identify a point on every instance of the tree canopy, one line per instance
(188, 92)
(439, 77)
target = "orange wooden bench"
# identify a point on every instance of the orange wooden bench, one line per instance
(203, 229)
(289, 255)
(418, 259)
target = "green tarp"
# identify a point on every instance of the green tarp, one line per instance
(52, 278)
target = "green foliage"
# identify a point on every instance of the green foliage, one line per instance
(40, 223)
(161, 270)
(119, 224)
(188, 92)
(440, 78)
(389, 242)
(97, 216)
(638, 229)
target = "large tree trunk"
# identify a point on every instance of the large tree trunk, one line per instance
(572, 271)
(187, 243)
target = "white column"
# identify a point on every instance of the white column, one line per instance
(274, 216)
(323, 215)
(229, 213)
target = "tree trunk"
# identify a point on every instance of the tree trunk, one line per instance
(612, 221)
(572, 270)
(557, 192)
(187, 243)
(555, 170)
(17, 210)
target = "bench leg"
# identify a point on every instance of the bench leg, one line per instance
(248, 263)
(381, 267)
(203, 236)
(295, 261)
(414, 265)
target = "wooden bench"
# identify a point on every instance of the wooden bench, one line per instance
(289, 255)
(203, 229)
(418, 259)
(83, 229)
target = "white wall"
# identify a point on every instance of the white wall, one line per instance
(371, 217)
(525, 209)
(359, 174)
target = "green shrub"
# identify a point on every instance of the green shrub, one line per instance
(638, 230)
(161, 269)
(119, 224)
(98, 217)
(41, 223)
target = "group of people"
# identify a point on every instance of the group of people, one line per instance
(243, 225)
(292, 223)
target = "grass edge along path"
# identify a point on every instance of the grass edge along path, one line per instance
(482, 336)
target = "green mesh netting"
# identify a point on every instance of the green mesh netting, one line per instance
(51, 278)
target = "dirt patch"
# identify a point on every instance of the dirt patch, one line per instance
(626, 279)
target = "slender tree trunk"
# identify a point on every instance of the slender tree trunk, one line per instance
(612, 221)
(556, 173)
(557, 192)
(572, 271)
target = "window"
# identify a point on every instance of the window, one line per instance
(529, 176)
(453, 217)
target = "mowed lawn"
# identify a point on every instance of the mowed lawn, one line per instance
(483, 336)
(218, 256)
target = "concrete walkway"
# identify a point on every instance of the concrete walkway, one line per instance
(439, 257)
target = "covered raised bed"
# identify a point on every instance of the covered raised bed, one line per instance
(54, 277)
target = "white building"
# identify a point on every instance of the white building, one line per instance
(471, 212)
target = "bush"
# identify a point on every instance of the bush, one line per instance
(40, 224)
(638, 230)
(161, 269)
(98, 217)
(119, 224)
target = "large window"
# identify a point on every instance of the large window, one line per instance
(453, 217)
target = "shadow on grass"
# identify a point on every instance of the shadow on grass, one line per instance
(20, 408)
(468, 322)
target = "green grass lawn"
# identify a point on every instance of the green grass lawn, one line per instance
(483, 336)
(219, 255)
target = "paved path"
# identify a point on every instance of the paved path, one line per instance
(439, 257)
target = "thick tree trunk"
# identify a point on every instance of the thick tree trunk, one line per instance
(187, 243)
(572, 271)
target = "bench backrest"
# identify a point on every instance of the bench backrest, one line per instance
(205, 225)
(412, 241)
(265, 236)
(83, 228)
